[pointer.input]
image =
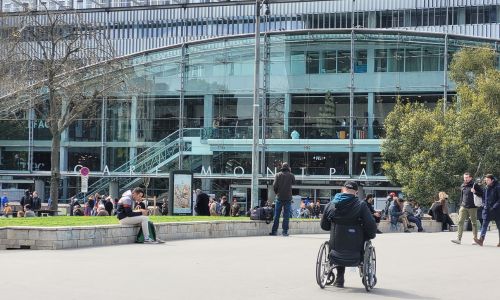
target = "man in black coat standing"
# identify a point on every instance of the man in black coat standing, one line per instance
(201, 207)
(491, 207)
(282, 186)
(350, 223)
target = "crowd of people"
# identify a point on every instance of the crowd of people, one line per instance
(30, 205)
(210, 206)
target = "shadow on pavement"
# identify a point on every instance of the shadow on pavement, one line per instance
(389, 293)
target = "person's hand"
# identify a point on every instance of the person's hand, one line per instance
(377, 214)
(473, 190)
(145, 212)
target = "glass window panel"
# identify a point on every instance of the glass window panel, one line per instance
(395, 60)
(344, 61)
(312, 62)
(361, 62)
(381, 60)
(413, 61)
(432, 59)
(297, 63)
(330, 62)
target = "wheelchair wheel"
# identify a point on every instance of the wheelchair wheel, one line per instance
(324, 274)
(369, 267)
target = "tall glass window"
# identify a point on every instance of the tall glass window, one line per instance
(312, 62)
(413, 60)
(330, 61)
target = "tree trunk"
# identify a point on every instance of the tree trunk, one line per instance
(55, 174)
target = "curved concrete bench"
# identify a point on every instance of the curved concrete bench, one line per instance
(48, 238)
(52, 238)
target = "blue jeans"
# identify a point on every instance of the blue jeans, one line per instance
(417, 221)
(486, 222)
(286, 205)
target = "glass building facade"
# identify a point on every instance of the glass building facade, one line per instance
(194, 111)
(193, 61)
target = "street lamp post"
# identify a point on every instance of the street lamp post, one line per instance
(254, 194)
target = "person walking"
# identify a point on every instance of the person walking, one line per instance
(491, 207)
(282, 186)
(467, 208)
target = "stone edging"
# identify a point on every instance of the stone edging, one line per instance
(53, 238)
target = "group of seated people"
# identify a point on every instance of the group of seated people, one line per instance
(26, 212)
(406, 212)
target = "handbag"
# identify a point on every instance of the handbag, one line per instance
(478, 201)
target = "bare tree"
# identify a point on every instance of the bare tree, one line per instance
(54, 63)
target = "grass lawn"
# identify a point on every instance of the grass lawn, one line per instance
(89, 221)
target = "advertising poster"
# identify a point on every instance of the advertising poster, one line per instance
(181, 192)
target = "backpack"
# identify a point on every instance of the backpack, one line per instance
(152, 233)
(223, 211)
(265, 213)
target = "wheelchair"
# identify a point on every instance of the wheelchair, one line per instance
(367, 266)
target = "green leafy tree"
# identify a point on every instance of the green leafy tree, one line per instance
(326, 120)
(427, 151)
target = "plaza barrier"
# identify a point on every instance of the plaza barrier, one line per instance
(53, 238)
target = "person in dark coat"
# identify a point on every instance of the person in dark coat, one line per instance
(376, 215)
(26, 199)
(37, 202)
(467, 208)
(491, 207)
(350, 223)
(225, 209)
(282, 187)
(108, 205)
(201, 207)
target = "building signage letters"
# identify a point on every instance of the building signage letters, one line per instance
(207, 171)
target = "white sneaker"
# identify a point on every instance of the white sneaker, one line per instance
(160, 241)
(149, 241)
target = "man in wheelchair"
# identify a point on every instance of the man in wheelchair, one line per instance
(350, 224)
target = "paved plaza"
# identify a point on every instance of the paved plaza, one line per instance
(410, 266)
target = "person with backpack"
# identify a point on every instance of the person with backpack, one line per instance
(128, 216)
(350, 223)
(282, 186)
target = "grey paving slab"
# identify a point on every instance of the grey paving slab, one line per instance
(410, 266)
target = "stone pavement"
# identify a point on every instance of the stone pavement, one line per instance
(410, 266)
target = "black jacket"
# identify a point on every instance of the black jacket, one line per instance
(201, 207)
(282, 185)
(37, 204)
(350, 223)
(491, 201)
(349, 212)
(227, 211)
(466, 196)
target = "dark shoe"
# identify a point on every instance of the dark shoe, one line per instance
(411, 226)
(479, 241)
(407, 231)
(498, 245)
(273, 233)
(285, 234)
(339, 282)
(379, 232)
(421, 230)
